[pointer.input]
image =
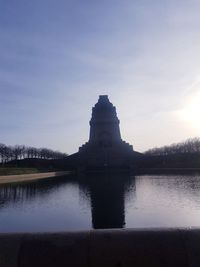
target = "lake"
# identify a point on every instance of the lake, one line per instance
(100, 201)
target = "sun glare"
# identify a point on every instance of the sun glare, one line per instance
(191, 112)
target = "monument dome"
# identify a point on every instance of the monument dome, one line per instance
(105, 147)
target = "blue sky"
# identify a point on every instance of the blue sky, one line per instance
(57, 56)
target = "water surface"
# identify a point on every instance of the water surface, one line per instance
(100, 201)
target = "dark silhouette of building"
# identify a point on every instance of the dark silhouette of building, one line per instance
(105, 147)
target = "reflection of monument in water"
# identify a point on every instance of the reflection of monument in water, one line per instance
(105, 147)
(107, 196)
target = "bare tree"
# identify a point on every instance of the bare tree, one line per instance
(189, 146)
(18, 152)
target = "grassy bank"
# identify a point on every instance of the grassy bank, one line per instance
(16, 171)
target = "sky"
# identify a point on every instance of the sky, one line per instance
(58, 56)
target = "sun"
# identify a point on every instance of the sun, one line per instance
(191, 112)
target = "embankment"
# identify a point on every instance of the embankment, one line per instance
(30, 177)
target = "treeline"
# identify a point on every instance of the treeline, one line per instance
(190, 146)
(18, 152)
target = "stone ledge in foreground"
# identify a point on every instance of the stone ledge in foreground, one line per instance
(102, 248)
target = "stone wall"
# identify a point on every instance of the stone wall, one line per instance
(102, 248)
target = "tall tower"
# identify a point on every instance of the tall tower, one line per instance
(105, 147)
(104, 124)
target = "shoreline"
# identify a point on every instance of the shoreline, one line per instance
(7, 179)
(152, 171)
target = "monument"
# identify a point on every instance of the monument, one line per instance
(105, 148)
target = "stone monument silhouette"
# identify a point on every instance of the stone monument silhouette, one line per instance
(105, 147)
